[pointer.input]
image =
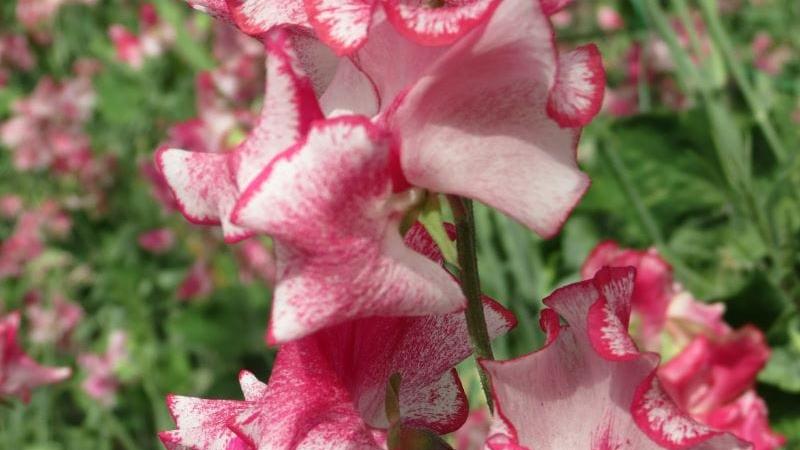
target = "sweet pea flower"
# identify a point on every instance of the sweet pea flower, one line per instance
(710, 366)
(528, 115)
(53, 324)
(713, 371)
(10, 205)
(198, 282)
(747, 418)
(590, 387)
(159, 240)
(19, 374)
(609, 19)
(153, 39)
(328, 389)
(14, 55)
(102, 383)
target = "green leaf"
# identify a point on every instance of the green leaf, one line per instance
(783, 369)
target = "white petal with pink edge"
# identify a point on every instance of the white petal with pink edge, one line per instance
(342, 24)
(488, 136)
(580, 84)
(441, 25)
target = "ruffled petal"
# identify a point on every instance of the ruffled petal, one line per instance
(207, 185)
(441, 25)
(342, 24)
(588, 398)
(488, 136)
(214, 8)
(256, 17)
(335, 218)
(580, 83)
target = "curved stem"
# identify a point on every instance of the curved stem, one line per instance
(471, 286)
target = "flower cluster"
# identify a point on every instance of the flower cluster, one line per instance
(368, 105)
(710, 368)
(154, 37)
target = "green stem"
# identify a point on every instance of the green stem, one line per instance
(723, 42)
(471, 286)
(119, 432)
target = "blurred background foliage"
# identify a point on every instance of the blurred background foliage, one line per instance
(711, 180)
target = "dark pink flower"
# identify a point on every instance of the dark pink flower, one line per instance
(591, 386)
(127, 46)
(198, 282)
(159, 240)
(102, 383)
(328, 390)
(19, 374)
(747, 418)
(713, 371)
(153, 38)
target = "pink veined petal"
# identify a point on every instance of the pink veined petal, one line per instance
(586, 400)
(488, 136)
(580, 83)
(290, 106)
(438, 25)
(252, 388)
(214, 8)
(551, 7)
(202, 424)
(342, 24)
(330, 387)
(203, 188)
(256, 17)
(334, 218)
(747, 419)
(609, 315)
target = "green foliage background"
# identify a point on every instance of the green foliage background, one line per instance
(703, 185)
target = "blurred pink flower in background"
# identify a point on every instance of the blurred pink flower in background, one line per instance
(256, 262)
(159, 240)
(769, 57)
(14, 55)
(609, 19)
(26, 241)
(10, 205)
(472, 435)
(53, 323)
(154, 37)
(19, 374)
(198, 282)
(102, 382)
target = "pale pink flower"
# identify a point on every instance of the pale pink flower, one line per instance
(15, 54)
(159, 240)
(19, 374)
(609, 19)
(52, 324)
(328, 390)
(10, 205)
(591, 385)
(102, 382)
(768, 57)
(127, 46)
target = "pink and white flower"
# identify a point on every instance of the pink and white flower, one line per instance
(590, 387)
(53, 324)
(102, 382)
(154, 37)
(19, 374)
(159, 240)
(328, 390)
